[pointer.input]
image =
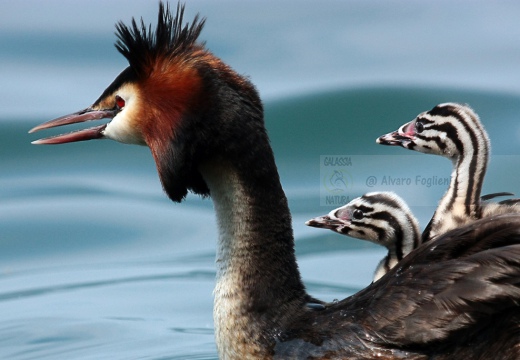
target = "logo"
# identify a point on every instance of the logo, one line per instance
(336, 181)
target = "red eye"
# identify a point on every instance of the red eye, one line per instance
(120, 102)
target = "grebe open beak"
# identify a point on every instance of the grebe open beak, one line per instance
(87, 114)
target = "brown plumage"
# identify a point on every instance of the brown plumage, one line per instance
(442, 302)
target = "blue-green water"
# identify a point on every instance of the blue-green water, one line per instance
(96, 262)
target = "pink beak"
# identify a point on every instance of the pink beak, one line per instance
(87, 114)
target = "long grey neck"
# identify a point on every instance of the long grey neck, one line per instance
(258, 282)
(461, 203)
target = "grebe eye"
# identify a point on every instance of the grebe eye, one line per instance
(357, 214)
(120, 103)
(419, 127)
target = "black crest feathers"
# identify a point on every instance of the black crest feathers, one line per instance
(141, 46)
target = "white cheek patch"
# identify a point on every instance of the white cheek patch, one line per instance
(123, 127)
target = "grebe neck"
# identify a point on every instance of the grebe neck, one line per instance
(461, 202)
(258, 282)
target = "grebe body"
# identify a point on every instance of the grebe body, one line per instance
(204, 125)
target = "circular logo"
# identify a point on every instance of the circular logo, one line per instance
(337, 181)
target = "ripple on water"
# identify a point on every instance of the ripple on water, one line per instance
(95, 262)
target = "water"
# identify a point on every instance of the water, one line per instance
(96, 262)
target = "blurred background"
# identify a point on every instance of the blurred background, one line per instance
(95, 261)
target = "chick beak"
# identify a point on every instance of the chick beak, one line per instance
(325, 222)
(393, 138)
(87, 114)
(401, 137)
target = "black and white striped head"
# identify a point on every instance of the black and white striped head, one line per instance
(449, 130)
(380, 217)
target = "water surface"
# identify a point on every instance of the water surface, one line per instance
(96, 262)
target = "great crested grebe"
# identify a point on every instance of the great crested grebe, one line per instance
(454, 131)
(204, 126)
(380, 217)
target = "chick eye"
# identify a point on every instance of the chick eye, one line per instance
(357, 214)
(120, 103)
(419, 127)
